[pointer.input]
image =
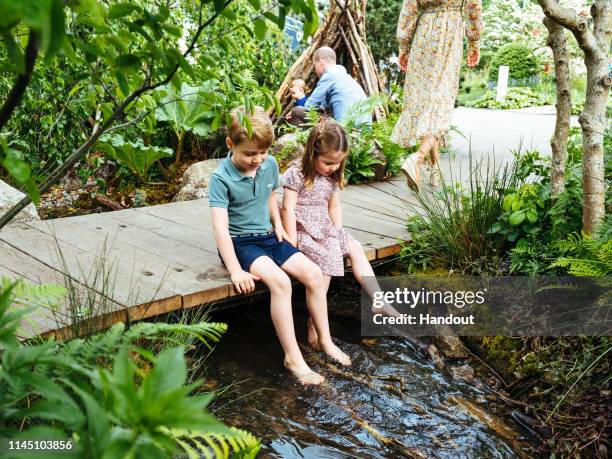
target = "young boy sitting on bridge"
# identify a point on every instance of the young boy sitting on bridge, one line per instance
(252, 243)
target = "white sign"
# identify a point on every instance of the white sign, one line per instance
(502, 83)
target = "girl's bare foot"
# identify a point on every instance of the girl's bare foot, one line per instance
(387, 310)
(303, 373)
(313, 337)
(335, 353)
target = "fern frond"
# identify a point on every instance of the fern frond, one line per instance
(235, 443)
(48, 296)
(205, 331)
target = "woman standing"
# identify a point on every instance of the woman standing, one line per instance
(430, 35)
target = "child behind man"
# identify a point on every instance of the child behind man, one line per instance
(297, 115)
(253, 244)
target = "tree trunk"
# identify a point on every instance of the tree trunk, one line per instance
(558, 43)
(593, 123)
(595, 43)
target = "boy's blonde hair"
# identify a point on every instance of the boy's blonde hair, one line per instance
(263, 132)
(299, 83)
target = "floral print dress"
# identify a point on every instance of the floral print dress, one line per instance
(317, 237)
(431, 31)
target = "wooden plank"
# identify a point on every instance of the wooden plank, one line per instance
(80, 263)
(360, 197)
(185, 259)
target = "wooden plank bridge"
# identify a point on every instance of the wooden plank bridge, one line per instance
(152, 260)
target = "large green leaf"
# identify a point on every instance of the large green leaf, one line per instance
(188, 110)
(136, 156)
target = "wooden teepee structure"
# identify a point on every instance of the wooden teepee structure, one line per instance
(344, 32)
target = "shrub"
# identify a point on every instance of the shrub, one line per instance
(519, 57)
(515, 98)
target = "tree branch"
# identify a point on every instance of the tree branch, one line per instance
(575, 23)
(22, 82)
(117, 114)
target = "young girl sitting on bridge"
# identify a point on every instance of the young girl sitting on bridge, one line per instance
(312, 214)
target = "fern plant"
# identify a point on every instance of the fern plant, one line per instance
(585, 256)
(108, 395)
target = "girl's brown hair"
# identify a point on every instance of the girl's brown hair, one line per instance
(327, 136)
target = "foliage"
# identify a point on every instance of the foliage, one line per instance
(119, 53)
(381, 24)
(381, 135)
(360, 163)
(515, 98)
(473, 85)
(136, 156)
(416, 255)
(558, 377)
(519, 57)
(109, 396)
(512, 21)
(582, 255)
(458, 219)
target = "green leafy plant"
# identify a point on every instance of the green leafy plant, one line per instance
(522, 211)
(515, 98)
(519, 57)
(583, 255)
(458, 219)
(136, 156)
(109, 396)
(116, 55)
(187, 110)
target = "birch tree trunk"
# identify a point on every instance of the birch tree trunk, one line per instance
(558, 43)
(595, 42)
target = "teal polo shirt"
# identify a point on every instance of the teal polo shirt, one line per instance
(245, 198)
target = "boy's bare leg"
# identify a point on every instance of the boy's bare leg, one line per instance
(282, 317)
(313, 337)
(364, 274)
(309, 274)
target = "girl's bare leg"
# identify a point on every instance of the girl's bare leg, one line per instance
(364, 274)
(309, 274)
(313, 337)
(282, 317)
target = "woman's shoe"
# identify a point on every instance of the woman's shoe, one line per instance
(409, 169)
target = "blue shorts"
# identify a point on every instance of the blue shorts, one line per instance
(250, 248)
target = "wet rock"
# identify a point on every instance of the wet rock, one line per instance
(465, 372)
(288, 148)
(451, 347)
(196, 180)
(434, 355)
(9, 196)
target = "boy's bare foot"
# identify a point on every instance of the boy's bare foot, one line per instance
(313, 337)
(335, 353)
(303, 373)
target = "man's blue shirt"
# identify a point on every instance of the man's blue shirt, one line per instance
(339, 91)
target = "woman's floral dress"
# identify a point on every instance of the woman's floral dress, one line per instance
(432, 32)
(317, 237)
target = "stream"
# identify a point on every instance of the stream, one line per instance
(392, 402)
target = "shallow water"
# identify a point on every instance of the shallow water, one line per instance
(392, 402)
